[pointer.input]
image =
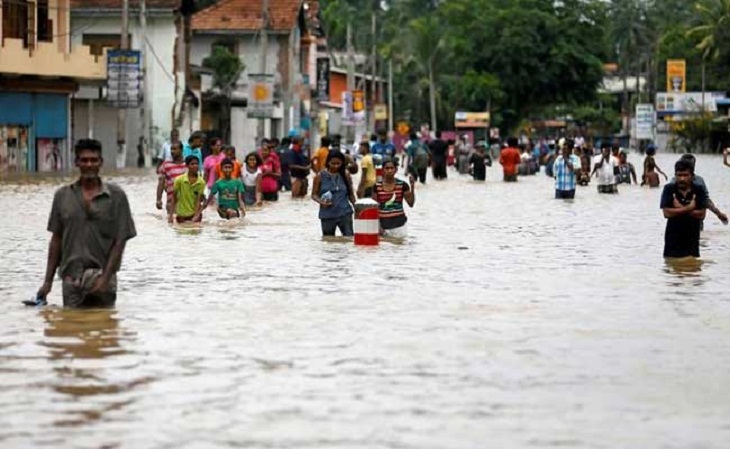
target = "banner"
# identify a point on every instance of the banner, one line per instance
(260, 95)
(358, 106)
(676, 75)
(677, 103)
(323, 123)
(323, 79)
(471, 119)
(644, 121)
(381, 111)
(123, 76)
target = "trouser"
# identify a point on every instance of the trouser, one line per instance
(285, 181)
(270, 196)
(611, 188)
(439, 170)
(564, 194)
(510, 178)
(344, 223)
(418, 173)
(76, 291)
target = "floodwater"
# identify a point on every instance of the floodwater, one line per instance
(506, 320)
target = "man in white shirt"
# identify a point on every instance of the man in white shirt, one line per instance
(604, 167)
(165, 154)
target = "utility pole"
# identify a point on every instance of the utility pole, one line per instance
(122, 112)
(390, 95)
(144, 110)
(264, 44)
(350, 76)
(373, 88)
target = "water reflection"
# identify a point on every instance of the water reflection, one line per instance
(77, 340)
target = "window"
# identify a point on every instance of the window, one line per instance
(15, 20)
(45, 24)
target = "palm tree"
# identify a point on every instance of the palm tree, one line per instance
(714, 18)
(425, 44)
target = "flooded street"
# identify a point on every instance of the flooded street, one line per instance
(506, 320)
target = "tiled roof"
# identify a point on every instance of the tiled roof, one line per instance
(245, 15)
(117, 4)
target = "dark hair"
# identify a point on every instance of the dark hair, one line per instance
(87, 144)
(511, 141)
(684, 165)
(176, 144)
(286, 141)
(255, 155)
(225, 162)
(196, 135)
(438, 134)
(225, 148)
(389, 160)
(413, 136)
(190, 159)
(334, 154)
(215, 140)
(570, 143)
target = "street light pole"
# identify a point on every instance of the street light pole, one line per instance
(122, 112)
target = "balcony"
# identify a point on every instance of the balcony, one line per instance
(48, 61)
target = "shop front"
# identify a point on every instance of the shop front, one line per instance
(34, 131)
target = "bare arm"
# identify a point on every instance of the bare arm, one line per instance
(410, 195)
(348, 180)
(258, 189)
(361, 185)
(54, 257)
(315, 190)
(160, 189)
(173, 203)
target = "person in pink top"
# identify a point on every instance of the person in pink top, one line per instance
(270, 173)
(215, 157)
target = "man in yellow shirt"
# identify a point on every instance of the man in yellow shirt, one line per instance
(188, 194)
(368, 176)
(320, 157)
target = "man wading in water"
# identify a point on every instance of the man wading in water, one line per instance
(91, 223)
(684, 207)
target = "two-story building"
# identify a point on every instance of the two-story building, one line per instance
(98, 26)
(40, 69)
(236, 25)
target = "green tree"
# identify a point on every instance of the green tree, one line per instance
(226, 67)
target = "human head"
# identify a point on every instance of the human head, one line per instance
(192, 163)
(265, 151)
(382, 135)
(176, 150)
(264, 142)
(690, 159)
(253, 160)
(196, 139)
(227, 167)
(605, 149)
(364, 147)
(325, 142)
(286, 141)
(615, 149)
(413, 136)
(683, 173)
(88, 158)
(335, 162)
(512, 141)
(651, 149)
(438, 134)
(229, 151)
(622, 156)
(215, 145)
(389, 168)
(174, 135)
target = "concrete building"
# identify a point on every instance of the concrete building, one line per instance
(99, 23)
(236, 25)
(40, 68)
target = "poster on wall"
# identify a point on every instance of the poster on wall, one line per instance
(676, 75)
(49, 154)
(13, 148)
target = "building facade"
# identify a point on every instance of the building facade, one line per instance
(155, 34)
(40, 69)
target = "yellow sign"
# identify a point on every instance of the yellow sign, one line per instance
(381, 111)
(323, 122)
(676, 75)
(358, 101)
(403, 128)
(472, 119)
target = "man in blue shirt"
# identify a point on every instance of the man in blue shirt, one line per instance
(382, 147)
(193, 147)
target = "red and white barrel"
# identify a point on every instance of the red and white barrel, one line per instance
(367, 222)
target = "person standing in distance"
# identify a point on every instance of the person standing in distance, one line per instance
(90, 222)
(684, 206)
(565, 168)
